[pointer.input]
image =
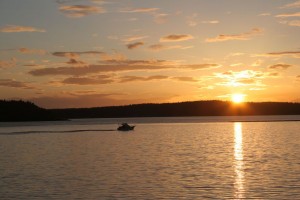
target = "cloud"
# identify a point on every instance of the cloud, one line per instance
(272, 74)
(285, 15)
(280, 66)
(242, 36)
(135, 37)
(76, 11)
(192, 20)
(70, 1)
(292, 5)
(185, 79)
(241, 78)
(8, 63)
(176, 38)
(106, 66)
(291, 23)
(160, 47)
(202, 66)
(295, 54)
(264, 14)
(141, 10)
(210, 22)
(73, 61)
(76, 54)
(101, 79)
(126, 79)
(15, 84)
(32, 51)
(161, 18)
(135, 45)
(16, 29)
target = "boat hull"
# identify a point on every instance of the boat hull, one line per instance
(130, 128)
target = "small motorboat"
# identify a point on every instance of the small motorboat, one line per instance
(125, 127)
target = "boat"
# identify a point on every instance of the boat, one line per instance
(125, 127)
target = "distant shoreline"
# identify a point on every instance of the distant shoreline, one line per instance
(18, 111)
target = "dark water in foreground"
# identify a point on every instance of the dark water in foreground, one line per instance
(88, 159)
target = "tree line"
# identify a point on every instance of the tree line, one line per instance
(27, 111)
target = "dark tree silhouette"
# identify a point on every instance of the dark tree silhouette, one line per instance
(24, 111)
(196, 108)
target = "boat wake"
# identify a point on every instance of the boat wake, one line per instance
(62, 131)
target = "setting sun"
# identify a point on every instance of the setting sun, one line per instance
(237, 98)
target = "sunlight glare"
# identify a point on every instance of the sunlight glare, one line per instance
(237, 98)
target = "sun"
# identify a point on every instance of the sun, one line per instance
(237, 98)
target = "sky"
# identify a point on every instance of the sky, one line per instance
(88, 53)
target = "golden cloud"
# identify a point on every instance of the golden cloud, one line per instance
(160, 47)
(76, 54)
(76, 11)
(292, 5)
(185, 79)
(32, 51)
(285, 15)
(280, 66)
(126, 79)
(8, 63)
(15, 84)
(135, 37)
(242, 36)
(101, 79)
(16, 29)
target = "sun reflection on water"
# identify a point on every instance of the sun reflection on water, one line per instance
(238, 162)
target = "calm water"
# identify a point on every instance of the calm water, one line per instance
(194, 158)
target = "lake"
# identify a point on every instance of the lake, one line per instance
(254, 157)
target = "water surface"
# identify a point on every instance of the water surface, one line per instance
(88, 159)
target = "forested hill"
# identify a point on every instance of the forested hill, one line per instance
(24, 111)
(27, 111)
(196, 108)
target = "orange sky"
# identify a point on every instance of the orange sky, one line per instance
(86, 53)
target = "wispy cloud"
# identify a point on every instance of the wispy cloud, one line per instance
(241, 78)
(107, 66)
(161, 18)
(295, 54)
(280, 66)
(286, 15)
(134, 37)
(8, 63)
(264, 14)
(134, 45)
(291, 22)
(202, 66)
(160, 47)
(32, 51)
(17, 29)
(185, 79)
(192, 20)
(76, 11)
(15, 84)
(140, 10)
(73, 54)
(242, 36)
(126, 79)
(176, 38)
(211, 22)
(97, 80)
(292, 5)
